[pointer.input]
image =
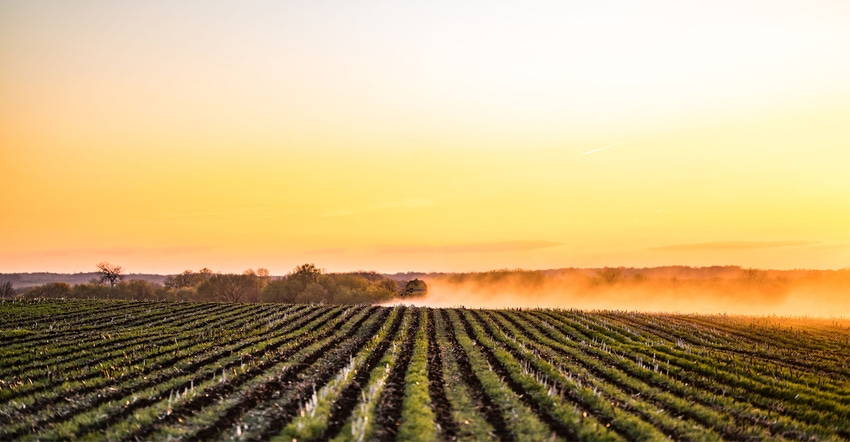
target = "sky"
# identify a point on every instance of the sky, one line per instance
(424, 135)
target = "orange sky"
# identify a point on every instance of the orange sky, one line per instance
(397, 136)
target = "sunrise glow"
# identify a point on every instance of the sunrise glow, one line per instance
(396, 136)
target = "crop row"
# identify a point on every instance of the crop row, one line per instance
(154, 371)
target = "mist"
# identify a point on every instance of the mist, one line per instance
(708, 290)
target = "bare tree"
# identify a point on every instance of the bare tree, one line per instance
(228, 287)
(204, 274)
(109, 273)
(610, 275)
(263, 274)
(754, 276)
(6, 289)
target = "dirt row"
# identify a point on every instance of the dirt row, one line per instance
(389, 409)
(214, 393)
(77, 315)
(492, 413)
(292, 352)
(312, 373)
(69, 347)
(106, 394)
(557, 427)
(350, 395)
(72, 359)
(111, 322)
(448, 427)
(156, 340)
(744, 421)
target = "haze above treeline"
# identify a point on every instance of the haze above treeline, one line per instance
(30, 279)
(682, 289)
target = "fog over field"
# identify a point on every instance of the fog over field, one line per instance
(731, 290)
(718, 290)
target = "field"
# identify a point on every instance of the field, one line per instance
(123, 371)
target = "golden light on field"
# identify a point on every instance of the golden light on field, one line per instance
(424, 135)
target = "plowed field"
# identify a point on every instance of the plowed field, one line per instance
(128, 371)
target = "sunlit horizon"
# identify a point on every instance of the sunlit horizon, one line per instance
(424, 136)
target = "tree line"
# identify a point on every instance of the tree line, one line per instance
(304, 284)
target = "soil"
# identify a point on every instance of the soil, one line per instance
(436, 387)
(492, 413)
(213, 394)
(350, 397)
(389, 408)
(106, 394)
(558, 427)
(284, 413)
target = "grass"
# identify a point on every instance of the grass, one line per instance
(417, 416)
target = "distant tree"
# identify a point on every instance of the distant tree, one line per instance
(610, 275)
(259, 278)
(309, 284)
(280, 291)
(108, 273)
(91, 291)
(204, 274)
(526, 278)
(380, 291)
(754, 276)
(389, 286)
(355, 288)
(262, 273)
(186, 279)
(228, 287)
(137, 289)
(50, 290)
(305, 274)
(6, 289)
(314, 293)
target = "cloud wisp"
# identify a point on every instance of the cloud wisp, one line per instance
(411, 203)
(122, 251)
(328, 251)
(732, 245)
(230, 213)
(487, 247)
(603, 148)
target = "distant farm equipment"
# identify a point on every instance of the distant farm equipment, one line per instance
(414, 289)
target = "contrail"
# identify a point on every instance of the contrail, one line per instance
(603, 148)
